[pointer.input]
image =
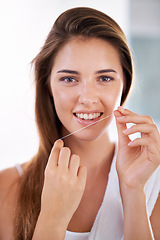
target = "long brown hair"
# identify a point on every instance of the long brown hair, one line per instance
(85, 22)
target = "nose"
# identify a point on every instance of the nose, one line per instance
(88, 95)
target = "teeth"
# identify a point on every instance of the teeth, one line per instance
(88, 116)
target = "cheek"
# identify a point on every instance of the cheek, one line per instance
(59, 95)
(113, 98)
(62, 101)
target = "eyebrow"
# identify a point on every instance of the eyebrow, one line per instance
(67, 71)
(106, 71)
(75, 72)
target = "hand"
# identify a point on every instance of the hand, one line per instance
(64, 184)
(137, 159)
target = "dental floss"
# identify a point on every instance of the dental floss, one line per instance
(85, 127)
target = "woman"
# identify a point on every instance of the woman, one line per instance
(84, 186)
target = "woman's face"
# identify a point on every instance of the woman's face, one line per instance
(86, 84)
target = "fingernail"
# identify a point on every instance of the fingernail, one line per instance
(130, 143)
(122, 117)
(120, 108)
(126, 130)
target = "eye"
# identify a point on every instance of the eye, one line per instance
(105, 79)
(68, 79)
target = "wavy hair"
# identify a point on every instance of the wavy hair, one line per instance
(81, 21)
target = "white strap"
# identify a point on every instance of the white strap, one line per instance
(19, 169)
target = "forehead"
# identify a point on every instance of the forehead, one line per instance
(87, 52)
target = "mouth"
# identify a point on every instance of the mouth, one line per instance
(88, 117)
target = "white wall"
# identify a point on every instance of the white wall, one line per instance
(24, 25)
(146, 18)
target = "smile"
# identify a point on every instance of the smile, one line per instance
(86, 116)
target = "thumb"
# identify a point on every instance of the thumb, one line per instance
(123, 140)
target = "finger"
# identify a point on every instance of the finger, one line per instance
(152, 147)
(122, 138)
(131, 117)
(137, 119)
(150, 129)
(124, 111)
(64, 158)
(74, 164)
(54, 155)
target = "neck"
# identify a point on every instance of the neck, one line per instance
(95, 155)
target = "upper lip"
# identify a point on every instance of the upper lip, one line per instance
(88, 111)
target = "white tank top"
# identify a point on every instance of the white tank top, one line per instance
(76, 235)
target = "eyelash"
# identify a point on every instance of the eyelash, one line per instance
(73, 79)
(103, 77)
(63, 79)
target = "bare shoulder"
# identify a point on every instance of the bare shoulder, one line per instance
(155, 219)
(9, 182)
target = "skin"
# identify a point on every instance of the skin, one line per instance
(136, 162)
(91, 91)
(80, 163)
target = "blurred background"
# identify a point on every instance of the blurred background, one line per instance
(24, 25)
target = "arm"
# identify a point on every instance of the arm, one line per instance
(49, 227)
(63, 189)
(155, 219)
(136, 162)
(9, 185)
(136, 222)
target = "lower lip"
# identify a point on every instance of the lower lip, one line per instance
(87, 122)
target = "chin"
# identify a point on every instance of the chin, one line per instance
(88, 137)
